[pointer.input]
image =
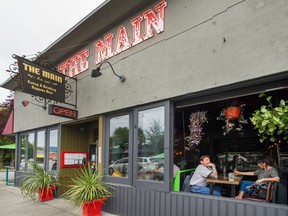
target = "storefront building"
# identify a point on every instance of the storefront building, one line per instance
(178, 58)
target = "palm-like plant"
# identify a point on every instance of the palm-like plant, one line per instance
(40, 179)
(88, 185)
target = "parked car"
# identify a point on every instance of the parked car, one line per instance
(143, 163)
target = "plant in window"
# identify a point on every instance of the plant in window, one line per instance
(197, 119)
(233, 119)
(271, 122)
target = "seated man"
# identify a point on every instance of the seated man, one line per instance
(198, 182)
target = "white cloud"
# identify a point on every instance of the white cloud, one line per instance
(30, 26)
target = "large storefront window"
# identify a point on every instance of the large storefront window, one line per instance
(33, 145)
(118, 146)
(138, 142)
(151, 144)
(230, 139)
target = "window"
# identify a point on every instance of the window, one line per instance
(40, 148)
(22, 161)
(151, 132)
(138, 147)
(119, 146)
(53, 149)
(33, 147)
(31, 143)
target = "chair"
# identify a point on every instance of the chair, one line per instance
(271, 188)
(180, 178)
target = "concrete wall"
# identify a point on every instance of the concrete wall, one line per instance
(205, 44)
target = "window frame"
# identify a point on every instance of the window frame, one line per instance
(113, 179)
(132, 178)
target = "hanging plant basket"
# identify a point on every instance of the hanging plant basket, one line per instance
(232, 113)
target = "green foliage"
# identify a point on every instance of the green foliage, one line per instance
(120, 137)
(271, 122)
(31, 182)
(88, 185)
(155, 137)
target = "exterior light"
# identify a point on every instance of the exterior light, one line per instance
(26, 103)
(96, 72)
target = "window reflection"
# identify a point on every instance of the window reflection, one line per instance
(40, 150)
(53, 149)
(151, 144)
(118, 146)
(31, 142)
(22, 163)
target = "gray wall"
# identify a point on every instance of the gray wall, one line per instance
(131, 202)
(189, 56)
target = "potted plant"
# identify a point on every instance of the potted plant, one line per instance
(233, 118)
(88, 191)
(271, 122)
(42, 182)
(197, 119)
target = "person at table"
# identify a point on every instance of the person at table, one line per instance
(265, 173)
(198, 182)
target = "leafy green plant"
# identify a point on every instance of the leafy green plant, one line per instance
(40, 179)
(88, 185)
(271, 122)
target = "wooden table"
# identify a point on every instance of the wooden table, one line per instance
(224, 180)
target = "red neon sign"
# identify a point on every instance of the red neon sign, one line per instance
(104, 49)
(62, 111)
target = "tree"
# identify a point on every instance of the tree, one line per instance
(155, 137)
(5, 111)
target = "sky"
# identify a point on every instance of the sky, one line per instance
(30, 26)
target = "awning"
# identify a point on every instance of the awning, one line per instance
(9, 125)
(9, 146)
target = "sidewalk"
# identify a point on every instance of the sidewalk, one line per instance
(12, 203)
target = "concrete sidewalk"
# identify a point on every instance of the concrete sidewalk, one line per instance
(12, 203)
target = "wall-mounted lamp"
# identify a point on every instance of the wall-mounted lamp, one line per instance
(96, 72)
(26, 103)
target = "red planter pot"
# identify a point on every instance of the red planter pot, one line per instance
(44, 195)
(93, 208)
(232, 113)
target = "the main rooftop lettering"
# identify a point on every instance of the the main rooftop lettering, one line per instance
(106, 48)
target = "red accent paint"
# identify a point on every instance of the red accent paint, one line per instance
(93, 208)
(65, 153)
(45, 195)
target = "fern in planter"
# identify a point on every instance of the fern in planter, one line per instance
(271, 122)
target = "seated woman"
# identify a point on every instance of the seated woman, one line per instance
(265, 173)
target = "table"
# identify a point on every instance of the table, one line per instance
(224, 180)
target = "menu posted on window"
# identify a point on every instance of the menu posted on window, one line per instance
(73, 159)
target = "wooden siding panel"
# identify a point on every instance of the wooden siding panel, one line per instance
(137, 202)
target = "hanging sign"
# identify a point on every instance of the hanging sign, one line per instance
(62, 111)
(40, 81)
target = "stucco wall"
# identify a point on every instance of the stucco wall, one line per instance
(205, 44)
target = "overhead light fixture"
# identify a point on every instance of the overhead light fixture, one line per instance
(96, 72)
(26, 103)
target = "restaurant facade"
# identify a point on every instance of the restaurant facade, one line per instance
(165, 64)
